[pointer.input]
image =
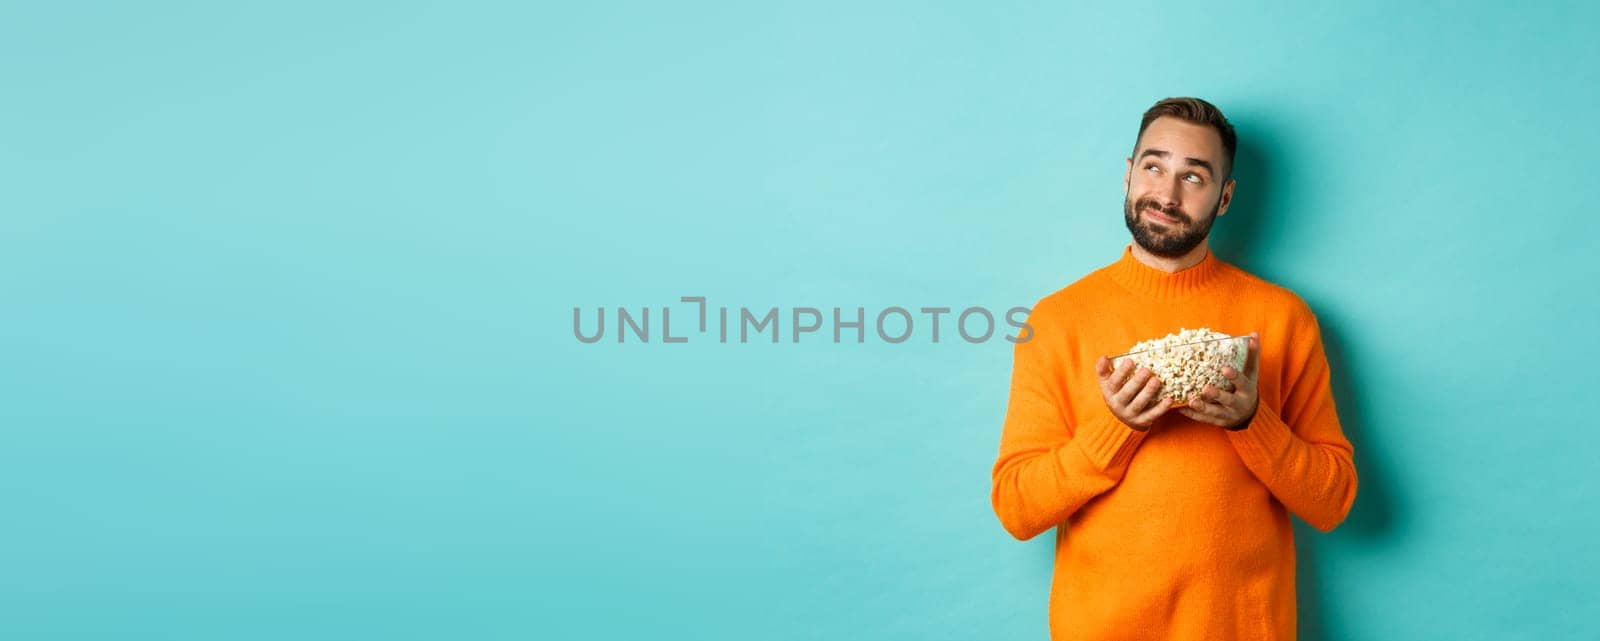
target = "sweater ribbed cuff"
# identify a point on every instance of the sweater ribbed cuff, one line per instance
(1108, 442)
(1264, 442)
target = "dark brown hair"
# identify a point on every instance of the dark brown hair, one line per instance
(1196, 111)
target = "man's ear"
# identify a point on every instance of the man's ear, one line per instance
(1127, 177)
(1227, 198)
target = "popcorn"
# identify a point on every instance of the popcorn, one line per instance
(1184, 364)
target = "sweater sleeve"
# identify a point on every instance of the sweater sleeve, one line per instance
(1050, 465)
(1298, 449)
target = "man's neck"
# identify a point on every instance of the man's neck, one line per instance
(1171, 265)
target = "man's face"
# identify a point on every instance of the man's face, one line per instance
(1174, 186)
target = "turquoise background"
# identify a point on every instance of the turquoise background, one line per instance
(288, 288)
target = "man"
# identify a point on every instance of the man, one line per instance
(1171, 524)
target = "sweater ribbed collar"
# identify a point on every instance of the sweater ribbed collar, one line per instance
(1143, 279)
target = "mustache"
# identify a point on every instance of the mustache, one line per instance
(1175, 213)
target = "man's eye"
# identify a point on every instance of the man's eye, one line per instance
(1196, 179)
(1151, 167)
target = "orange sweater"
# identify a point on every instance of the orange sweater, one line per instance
(1181, 532)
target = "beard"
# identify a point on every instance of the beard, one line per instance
(1167, 241)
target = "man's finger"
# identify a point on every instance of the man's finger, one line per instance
(1211, 410)
(1102, 367)
(1147, 393)
(1132, 387)
(1120, 375)
(1156, 411)
(1232, 378)
(1213, 394)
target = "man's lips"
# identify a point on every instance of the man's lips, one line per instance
(1160, 217)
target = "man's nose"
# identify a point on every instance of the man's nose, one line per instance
(1168, 194)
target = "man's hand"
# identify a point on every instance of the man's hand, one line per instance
(1131, 398)
(1234, 407)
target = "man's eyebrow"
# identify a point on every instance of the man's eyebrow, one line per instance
(1162, 153)
(1201, 162)
(1154, 152)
